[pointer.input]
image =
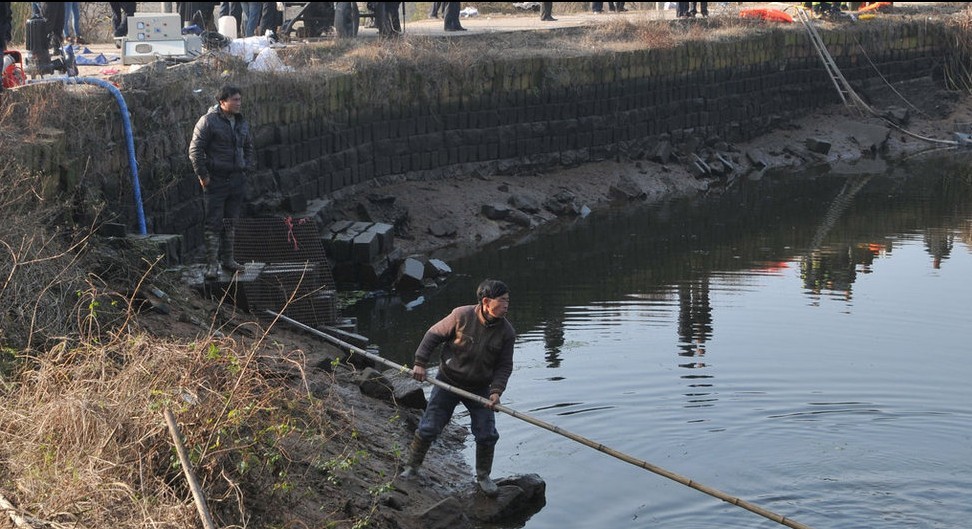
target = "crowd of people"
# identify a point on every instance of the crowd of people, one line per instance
(691, 9)
(256, 18)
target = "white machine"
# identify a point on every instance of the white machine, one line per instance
(152, 36)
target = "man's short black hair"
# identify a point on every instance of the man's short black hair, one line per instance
(492, 289)
(227, 91)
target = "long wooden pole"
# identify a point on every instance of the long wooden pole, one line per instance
(778, 518)
(197, 494)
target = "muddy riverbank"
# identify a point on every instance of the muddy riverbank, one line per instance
(446, 219)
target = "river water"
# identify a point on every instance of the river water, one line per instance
(798, 341)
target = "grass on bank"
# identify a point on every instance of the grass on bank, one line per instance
(85, 375)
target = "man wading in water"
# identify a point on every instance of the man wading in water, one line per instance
(477, 356)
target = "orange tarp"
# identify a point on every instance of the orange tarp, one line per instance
(764, 13)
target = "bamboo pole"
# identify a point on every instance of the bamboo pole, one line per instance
(197, 494)
(749, 506)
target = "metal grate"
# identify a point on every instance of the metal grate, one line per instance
(295, 278)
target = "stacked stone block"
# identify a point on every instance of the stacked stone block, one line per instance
(504, 117)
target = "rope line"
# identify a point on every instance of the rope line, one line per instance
(885, 79)
(844, 87)
(752, 507)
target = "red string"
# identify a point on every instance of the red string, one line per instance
(290, 231)
(289, 221)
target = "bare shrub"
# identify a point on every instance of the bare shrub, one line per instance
(85, 443)
(39, 274)
(958, 73)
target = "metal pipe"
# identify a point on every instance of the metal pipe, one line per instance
(751, 507)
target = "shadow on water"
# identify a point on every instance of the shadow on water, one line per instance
(833, 224)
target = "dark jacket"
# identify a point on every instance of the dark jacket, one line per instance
(218, 148)
(6, 24)
(476, 353)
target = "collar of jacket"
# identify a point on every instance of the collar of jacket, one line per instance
(483, 318)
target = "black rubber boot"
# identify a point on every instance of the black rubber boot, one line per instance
(226, 250)
(416, 455)
(484, 465)
(211, 240)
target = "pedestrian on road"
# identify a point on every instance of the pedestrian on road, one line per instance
(388, 19)
(450, 17)
(6, 25)
(434, 10)
(221, 152)
(72, 23)
(235, 10)
(252, 13)
(120, 11)
(477, 356)
(546, 12)
(271, 18)
(205, 19)
(53, 13)
(703, 8)
(6, 30)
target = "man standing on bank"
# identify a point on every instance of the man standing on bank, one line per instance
(221, 151)
(477, 356)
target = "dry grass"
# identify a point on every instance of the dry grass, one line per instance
(609, 35)
(957, 71)
(84, 378)
(438, 58)
(84, 443)
(40, 280)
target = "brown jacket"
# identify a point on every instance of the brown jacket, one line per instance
(475, 353)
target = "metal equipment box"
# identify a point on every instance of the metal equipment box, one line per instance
(146, 51)
(154, 26)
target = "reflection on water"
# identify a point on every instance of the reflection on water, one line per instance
(798, 341)
(673, 249)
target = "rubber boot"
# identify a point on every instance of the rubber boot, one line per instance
(416, 454)
(226, 250)
(484, 465)
(212, 255)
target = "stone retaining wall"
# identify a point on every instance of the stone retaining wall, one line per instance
(499, 117)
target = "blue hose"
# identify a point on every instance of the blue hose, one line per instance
(129, 140)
